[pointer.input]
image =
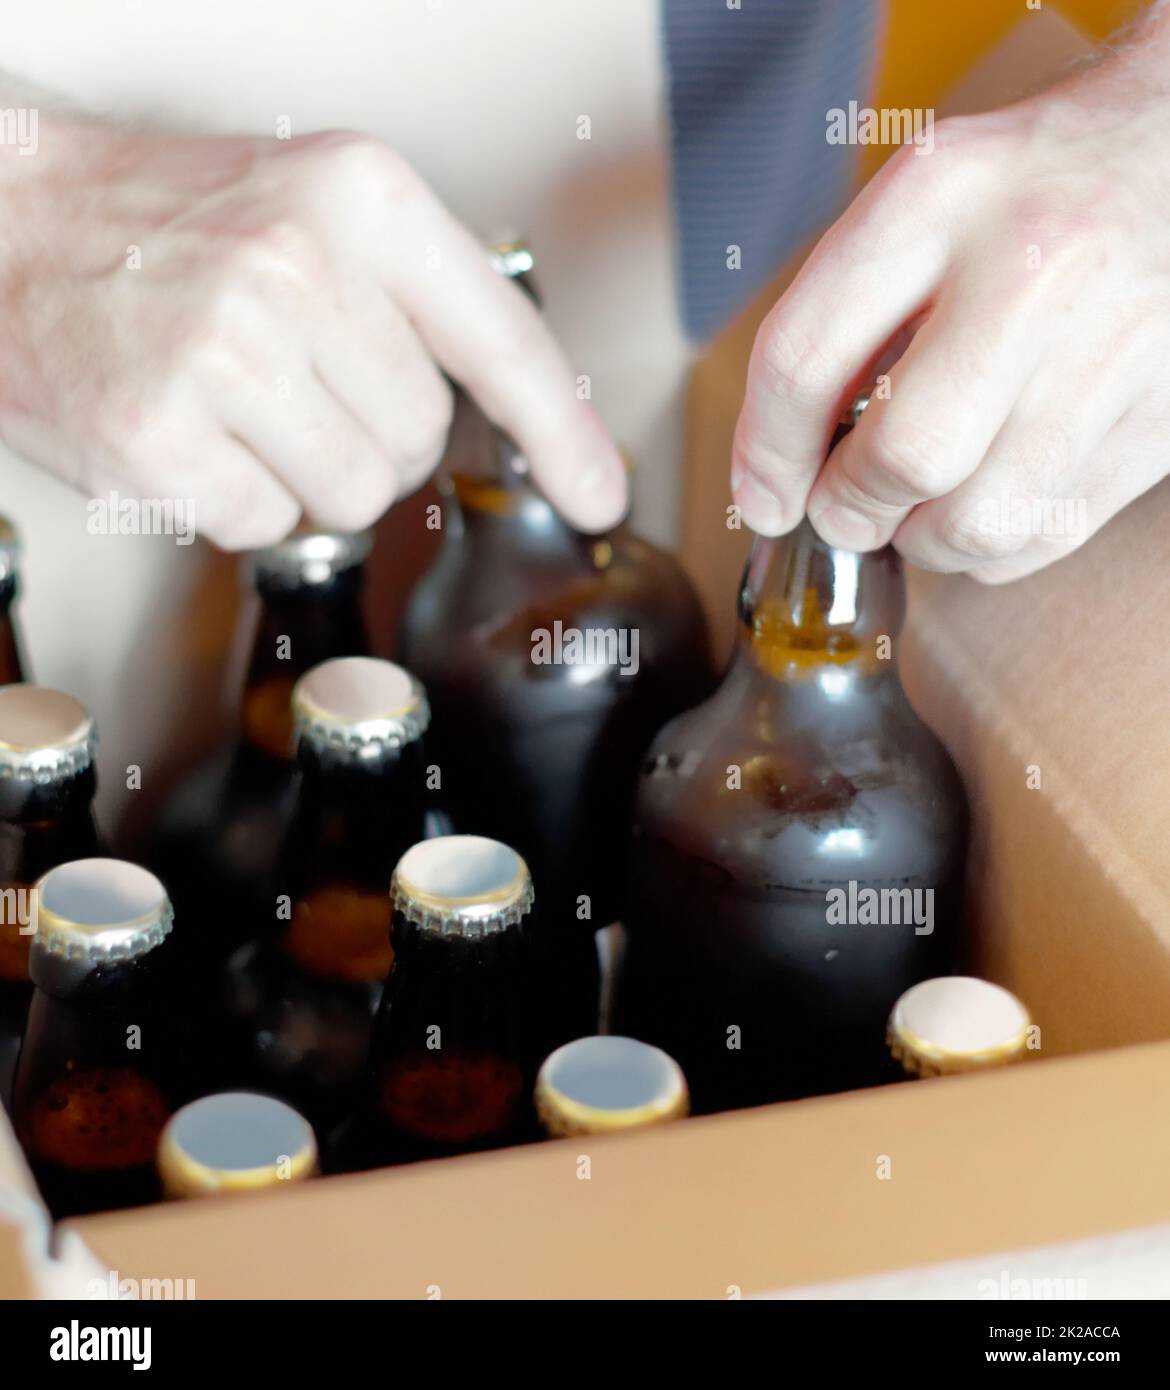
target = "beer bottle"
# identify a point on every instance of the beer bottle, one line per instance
(222, 830)
(599, 1085)
(47, 783)
(303, 996)
(98, 1075)
(12, 668)
(457, 1042)
(234, 1142)
(957, 1023)
(524, 633)
(799, 843)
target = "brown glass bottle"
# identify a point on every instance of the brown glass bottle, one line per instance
(543, 754)
(12, 666)
(770, 821)
(459, 1036)
(303, 996)
(222, 830)
(98, 1074)
(47, 785)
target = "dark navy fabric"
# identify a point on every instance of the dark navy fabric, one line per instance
(750, 89)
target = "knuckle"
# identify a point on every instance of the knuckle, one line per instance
(978, 534)
(908, 455)
(280, 252)
(791, 363)
(423, 442)
(354, 163)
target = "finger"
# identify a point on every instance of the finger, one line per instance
(370, 358)
(870, 274)
(948, 399)
(1122, 468)
(489, 336)
(1034, 479)
(236, 502)
(309, 441)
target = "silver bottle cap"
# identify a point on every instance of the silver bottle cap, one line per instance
(235, 1141)
(462, 885)
(360, 705)
(10, 549)
(100, 910)
(45, 735)
(311, 557)
(957, 1023)
(601, 1084)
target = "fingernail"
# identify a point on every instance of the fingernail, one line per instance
(843, 527)
(760, 506)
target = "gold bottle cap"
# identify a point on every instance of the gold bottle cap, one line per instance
(462, 885)
(601, 1084)
(957, 1023)
(45, 734)
(100, 910)
(235, 1142)
(360, 705)
(10, 549)
(311, 557)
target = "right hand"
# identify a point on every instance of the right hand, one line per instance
(280, 350)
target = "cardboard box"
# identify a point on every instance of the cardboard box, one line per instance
(1051, 694)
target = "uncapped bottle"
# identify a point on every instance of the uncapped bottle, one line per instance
(98, 1075)
(458, 1039)
(12, 665)
(550, 658)
(222, 831)
(957, 1023)
(235, 1142)
(303, 995)
(47, 784)
(600, 1085)
(799, 844)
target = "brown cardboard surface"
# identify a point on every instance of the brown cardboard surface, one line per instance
(783, 1196)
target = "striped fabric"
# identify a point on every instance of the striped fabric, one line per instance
(749, 92)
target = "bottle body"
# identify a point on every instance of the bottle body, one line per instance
(304, 995)
(41, 826)
(221, 833)
(455, 1051)
(799, 847)
(550, 660)
(99, 1072)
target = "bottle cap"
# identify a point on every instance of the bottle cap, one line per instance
(311, 557)
(234, 1142)
(100, 910)
(957, 1023)
(45, 735)
(10, 549)
(360, 705)
(601, 1084)
(462, 885)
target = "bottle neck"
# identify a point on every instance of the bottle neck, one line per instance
(808, 609)
(63, 806)
(300, 626)
(11, 666)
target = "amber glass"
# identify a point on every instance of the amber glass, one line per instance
(544, 756)
(755, 955)
(41, 825)
(302, 998)
(223, 829)
(98, 1078)
(455, 1053)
